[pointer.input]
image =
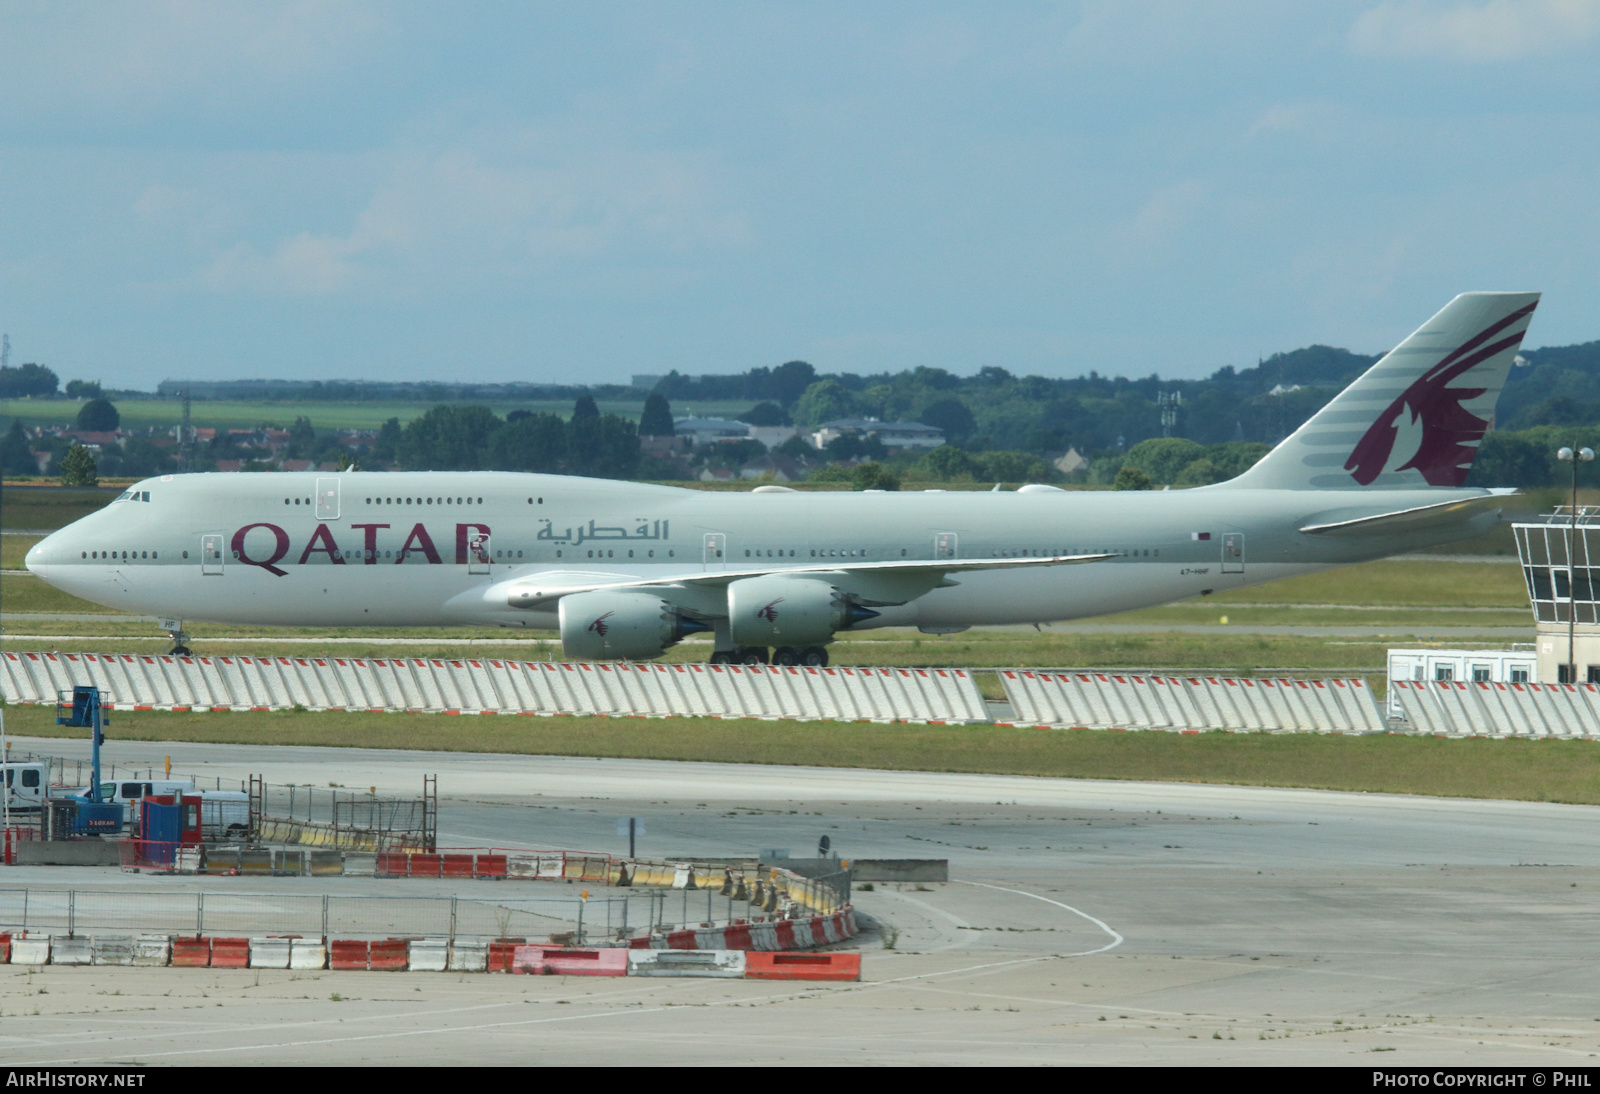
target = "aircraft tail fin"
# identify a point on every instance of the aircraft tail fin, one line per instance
(1415, 418)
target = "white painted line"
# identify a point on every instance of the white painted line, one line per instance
(1116, 939)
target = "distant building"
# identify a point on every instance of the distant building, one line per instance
(772, 435)
(710, 430)
(889, 434)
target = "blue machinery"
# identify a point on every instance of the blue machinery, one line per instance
(94, 817)
(86, 712)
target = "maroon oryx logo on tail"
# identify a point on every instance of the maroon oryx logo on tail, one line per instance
(770, 612)
(1450, 431)
(600, 626)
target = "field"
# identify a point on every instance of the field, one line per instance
(144, 413)
(1548, 770)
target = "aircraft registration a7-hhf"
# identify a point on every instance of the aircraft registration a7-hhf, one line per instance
(625, 570)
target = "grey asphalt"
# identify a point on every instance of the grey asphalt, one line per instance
(1085, 922)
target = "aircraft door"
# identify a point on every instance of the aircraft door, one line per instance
(944, 545)
(1233, 553)
(478, 553)
(327, 499)
(716, 551)
(211, 556)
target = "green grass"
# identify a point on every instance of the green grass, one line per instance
(1397, 582)
(47, 507)
(223, 414)
(13, 549)
(25, 593)
(1551, 770)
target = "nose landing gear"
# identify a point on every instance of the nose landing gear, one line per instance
(180, 638)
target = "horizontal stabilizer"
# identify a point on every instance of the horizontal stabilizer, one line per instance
(1407, 520)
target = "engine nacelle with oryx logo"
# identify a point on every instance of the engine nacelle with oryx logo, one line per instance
(633, 626)
(789, 611)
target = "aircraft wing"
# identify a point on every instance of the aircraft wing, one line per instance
(543, 589)
(1408, 520)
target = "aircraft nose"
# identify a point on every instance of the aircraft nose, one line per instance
(36, 558)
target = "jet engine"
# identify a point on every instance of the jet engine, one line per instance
(776, 610)
(634, 626)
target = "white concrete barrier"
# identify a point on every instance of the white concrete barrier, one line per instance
(307, 953)
(30, 951)
(1112, 700)
(1462, 709)
(72, 951)
(469, 956)
(428, 955)
(153, 950)
(471, 686)
(270, 953)
(112, 949)
(701, 963)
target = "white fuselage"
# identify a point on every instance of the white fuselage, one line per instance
(400, 550)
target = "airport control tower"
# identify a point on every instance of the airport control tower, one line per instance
(1560, 555)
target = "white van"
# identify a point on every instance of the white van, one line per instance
(133, 790)
(27, 784)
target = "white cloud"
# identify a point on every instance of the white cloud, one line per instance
(1283, 118)
(125, 61)
(1498, 30)
(1167, 212)
(513, 208)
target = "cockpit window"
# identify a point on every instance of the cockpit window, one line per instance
(125, 495)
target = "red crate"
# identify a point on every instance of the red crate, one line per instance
(344, 953)
(425, 865)
(392, 955)
(392, 864)
(230, 953)
(560, 961)
(191, 952)
(802, 966)
(501, 953)
(491, 866)
(457, 865)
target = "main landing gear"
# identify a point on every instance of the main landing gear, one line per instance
(815, 656)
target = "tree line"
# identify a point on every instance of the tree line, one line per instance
(469, 438)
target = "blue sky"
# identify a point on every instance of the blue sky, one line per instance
(579, 192)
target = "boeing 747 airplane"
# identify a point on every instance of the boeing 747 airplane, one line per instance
(626, 570)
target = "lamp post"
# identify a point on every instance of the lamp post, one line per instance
(1582, 455)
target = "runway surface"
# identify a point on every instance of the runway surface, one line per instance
(1085, 922)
